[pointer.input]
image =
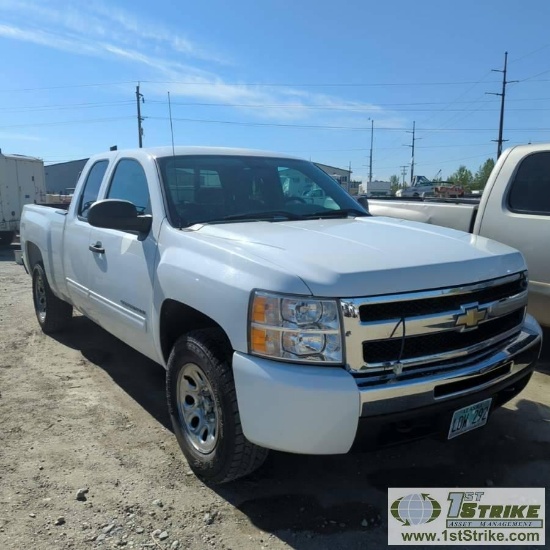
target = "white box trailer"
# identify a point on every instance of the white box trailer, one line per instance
(21, 182)
(375, 188)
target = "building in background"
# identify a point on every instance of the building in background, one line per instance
(343, 177)
(61, 178)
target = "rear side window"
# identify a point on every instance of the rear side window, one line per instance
(530, 191)
(129, 183)
(91, 187)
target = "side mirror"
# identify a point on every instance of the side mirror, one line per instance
(364, 202)
(117, 214)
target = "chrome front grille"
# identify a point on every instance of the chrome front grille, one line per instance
(411, 333)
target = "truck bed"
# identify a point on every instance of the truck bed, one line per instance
(454, 213)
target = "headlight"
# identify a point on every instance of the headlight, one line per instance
(294, 328)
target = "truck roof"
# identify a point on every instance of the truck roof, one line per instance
(167, 151)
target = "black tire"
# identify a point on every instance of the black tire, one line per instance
(53, 314)
(220, 454)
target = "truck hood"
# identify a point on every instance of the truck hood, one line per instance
(368, 255)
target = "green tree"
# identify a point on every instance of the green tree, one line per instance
(395, 185)
(462, 176)
(482, 174)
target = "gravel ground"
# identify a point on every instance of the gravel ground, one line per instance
(88, 458)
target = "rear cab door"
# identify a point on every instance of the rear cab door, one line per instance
(122, 264)
(76, 234)
(516, 212)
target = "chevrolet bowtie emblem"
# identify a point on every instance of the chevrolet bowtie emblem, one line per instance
(471, 317)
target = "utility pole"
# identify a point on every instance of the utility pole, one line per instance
(404, 172)
(371, 143)
(139, 117)
(502, 98)
(414, 138)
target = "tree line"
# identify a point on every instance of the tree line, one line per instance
(462, 176)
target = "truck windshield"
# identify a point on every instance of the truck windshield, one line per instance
(225, 188)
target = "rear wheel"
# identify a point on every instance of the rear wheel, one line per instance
(53, 314)
(203, 408)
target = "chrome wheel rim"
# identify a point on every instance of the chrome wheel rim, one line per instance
(40, 297)
(197, 408)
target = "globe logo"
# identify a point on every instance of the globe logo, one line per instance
(415, 509)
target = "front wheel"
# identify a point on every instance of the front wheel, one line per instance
(53, 314)
(203, 408)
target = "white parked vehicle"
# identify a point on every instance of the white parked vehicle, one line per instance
(513, 209)
(283, 325)
(375, 188)
(21, 182)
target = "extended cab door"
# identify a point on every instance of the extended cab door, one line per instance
(123, 264)
(76, 236)
(517, 213)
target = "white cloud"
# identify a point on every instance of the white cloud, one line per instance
(96, 20)
(107, 32)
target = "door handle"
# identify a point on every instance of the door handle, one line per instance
(97, 248)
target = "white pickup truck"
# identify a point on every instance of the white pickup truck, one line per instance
(514, 209)
(282, 324)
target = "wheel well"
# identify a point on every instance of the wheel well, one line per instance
(177, 319)
(33, 255)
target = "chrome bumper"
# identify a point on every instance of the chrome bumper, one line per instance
(396, 396)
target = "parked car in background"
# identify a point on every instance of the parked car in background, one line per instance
(420, 187)
(317, 195)
(423, 187)
(513, 209)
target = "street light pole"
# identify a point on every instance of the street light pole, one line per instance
(502, 95)
(371, 144)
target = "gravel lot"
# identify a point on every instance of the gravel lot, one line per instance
(84, 411)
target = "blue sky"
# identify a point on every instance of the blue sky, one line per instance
(301, 77)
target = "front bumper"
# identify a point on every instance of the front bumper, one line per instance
(325, 410)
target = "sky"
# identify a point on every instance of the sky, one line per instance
(309, 78)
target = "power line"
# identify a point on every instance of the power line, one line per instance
(67, 86)
(438, 162)
(530, 53)
(350, 128)
(343, 107)
(310, 85)
(64, 106)
(67, 122)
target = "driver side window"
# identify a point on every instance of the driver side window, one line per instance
(129, 183)
(91, 187)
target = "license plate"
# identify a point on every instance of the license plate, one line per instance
(469, 418)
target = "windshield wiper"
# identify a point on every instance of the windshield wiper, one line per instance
(272, 215)
(343, 213)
